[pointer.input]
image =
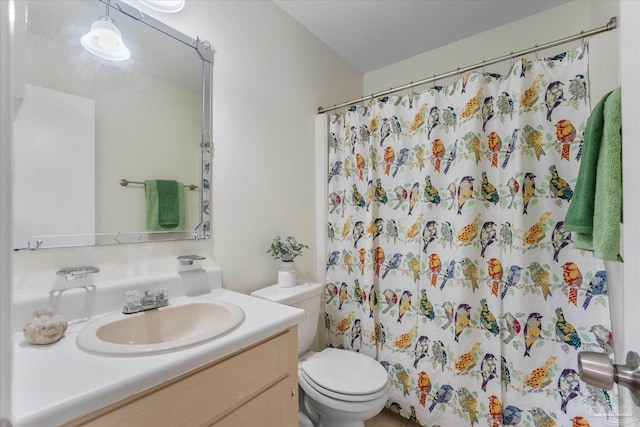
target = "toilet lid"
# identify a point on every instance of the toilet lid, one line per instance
(345, 372)
(304, 379)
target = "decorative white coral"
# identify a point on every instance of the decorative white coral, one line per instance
(45, 327)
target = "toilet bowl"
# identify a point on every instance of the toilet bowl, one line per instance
(341, 388)
(337, 388)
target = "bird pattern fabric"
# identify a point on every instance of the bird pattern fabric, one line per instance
(447, 258)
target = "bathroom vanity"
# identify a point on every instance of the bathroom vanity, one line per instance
(247, 376)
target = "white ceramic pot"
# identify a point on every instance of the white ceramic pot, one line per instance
(286, 275)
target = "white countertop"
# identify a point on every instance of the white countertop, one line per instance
(57, 383)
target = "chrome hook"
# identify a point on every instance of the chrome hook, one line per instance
(583, 40)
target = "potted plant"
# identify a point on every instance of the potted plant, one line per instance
(286, 250)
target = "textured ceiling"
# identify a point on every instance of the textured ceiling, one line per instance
(371, 34)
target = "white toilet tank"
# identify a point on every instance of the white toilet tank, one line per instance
(307, 296)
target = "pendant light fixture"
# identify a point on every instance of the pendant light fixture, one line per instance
(167, 6)
(105, 40)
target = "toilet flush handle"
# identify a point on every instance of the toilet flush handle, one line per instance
(596, 369)
(189, 259)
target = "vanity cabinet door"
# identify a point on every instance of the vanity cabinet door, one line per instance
(276, 406)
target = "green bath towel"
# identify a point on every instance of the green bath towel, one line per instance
(579, 217)
(608, 211)
(165, 205)
(604, 237)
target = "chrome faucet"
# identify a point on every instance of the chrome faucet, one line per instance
(135, 303)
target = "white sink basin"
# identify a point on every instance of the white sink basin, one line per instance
(161, 330)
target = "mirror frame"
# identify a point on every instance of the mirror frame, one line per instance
(204, 51)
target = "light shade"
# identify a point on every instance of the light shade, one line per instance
(104, 40)
(167, 6)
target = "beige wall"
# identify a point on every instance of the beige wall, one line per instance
(269, 76)
(553, 24)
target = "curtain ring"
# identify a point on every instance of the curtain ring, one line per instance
(536, 52)
(513, 60)
(484, 70)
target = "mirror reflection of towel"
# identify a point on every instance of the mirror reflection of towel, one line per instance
(165, 205)
(168, 211)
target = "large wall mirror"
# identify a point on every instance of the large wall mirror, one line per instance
(87, 125)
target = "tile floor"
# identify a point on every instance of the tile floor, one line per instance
(386, 418)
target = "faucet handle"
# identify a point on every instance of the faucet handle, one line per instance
(161, 291)
(132, 296)
(131, 300)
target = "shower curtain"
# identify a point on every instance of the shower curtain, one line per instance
(447, 258)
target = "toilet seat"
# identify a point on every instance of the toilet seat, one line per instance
(344, 375)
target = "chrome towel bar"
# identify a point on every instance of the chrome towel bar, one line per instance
(125, 182)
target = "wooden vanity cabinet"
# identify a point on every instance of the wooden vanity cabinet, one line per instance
(257, 386)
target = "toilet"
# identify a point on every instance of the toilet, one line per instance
(337, 388)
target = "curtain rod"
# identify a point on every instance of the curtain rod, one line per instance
(611, 25)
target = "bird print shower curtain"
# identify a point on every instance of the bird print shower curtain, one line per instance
(447, 258)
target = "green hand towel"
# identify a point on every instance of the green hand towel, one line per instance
(153, 207)
(168, 213)
(579, 217)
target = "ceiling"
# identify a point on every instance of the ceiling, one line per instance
(370, 34)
